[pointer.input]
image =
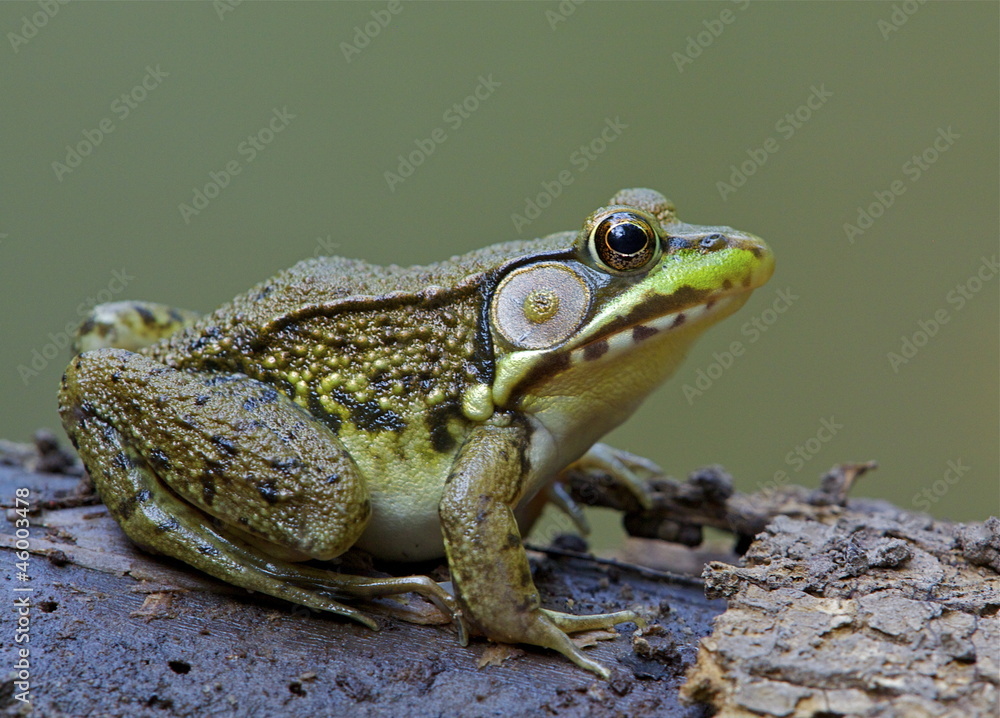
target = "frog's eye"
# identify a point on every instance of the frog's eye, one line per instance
(540, 305)
(623, 241)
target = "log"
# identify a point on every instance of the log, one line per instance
(842, 606)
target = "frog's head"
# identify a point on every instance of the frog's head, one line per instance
(582, 336)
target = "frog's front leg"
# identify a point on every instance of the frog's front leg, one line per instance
(225, 474)
(488, 563)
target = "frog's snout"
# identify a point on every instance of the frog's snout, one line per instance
(762, 264)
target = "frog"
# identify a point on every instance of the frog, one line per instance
(408, 412)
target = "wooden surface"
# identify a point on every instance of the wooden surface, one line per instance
(115, 632)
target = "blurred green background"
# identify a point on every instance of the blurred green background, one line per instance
(879, 342)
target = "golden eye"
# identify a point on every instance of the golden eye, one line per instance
(624, 241)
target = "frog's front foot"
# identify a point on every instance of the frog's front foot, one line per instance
(549, 629)
(623, 468)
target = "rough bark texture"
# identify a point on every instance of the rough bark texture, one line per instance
(839, 608)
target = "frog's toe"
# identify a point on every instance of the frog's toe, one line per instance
(571, 623)
(129, 325)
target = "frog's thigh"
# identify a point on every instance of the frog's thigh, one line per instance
(229, 446)
(485, 555)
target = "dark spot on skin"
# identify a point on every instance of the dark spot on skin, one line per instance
(676, 243)
(209, 335)
(754, 250)
(727, 284)
(369, 416)
(224, 443)
(201, 400)
(746, 281)
(147, 316)
(678, 320)
(709, 305)
(317, 410)
(122, 461)
(333, 479)
(595, 350)
(126, 508)
(286, 465)
(640, 332)
(175, 316)
(159, 460)
(513, 540)
(144, 496)
(170, 524)
(243, 521)
(116, 376)
(268, 396)
(207, 550)
(87, 327)
(108, 433)
(207, 488)
(268, 492)
(437, 419)
(220, 379)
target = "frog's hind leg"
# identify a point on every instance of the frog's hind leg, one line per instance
(159, 522)
(227, 475)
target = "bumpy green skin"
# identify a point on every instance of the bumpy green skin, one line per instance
(342, 404)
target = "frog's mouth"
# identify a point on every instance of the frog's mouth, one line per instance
(632, 331)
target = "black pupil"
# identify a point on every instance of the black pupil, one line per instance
(627, 238)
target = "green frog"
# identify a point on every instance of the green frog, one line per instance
(409, 412)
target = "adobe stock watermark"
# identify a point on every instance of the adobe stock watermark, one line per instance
(753, 329)
(930, 495)
(913, 169)
(786, 127)
(121, 107)
(454, 118)
(364, 34)
(225, 6)
(31, 24)
(696, 44)
(957, 297)
(580, 160)
(58, 341)
(562, 12)
(249, 149)
(900, 15)
(325, 246)
(802, 454)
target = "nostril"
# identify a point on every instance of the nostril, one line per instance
(712, 242)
